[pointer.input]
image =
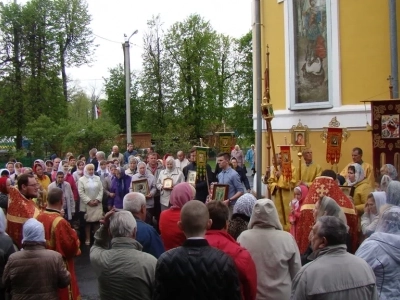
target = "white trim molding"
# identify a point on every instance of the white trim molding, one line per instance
(333, 53)
(353, 117)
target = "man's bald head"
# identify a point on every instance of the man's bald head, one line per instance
(195, 219)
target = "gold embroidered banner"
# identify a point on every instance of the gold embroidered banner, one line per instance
(333, 145)
(201, 163)
(286, 162)
(225, 142)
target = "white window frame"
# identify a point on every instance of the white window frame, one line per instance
(334, 87)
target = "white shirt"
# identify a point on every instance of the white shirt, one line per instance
(181, 164)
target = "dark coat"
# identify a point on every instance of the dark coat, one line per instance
(201, 185)
(196, 271)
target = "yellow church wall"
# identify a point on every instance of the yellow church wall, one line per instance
(358, 138)
(364, 50)
(273, 35)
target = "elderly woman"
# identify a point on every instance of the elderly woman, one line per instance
(144, 174)
(241, 215)
(326, 206)
(360, 187)
(80, 165)
(91, 194)
(68, 177)
(389, 170)
(393, 193)
(119, 188)
(164, 184)
(171, 235)
(132, 166)
(381, 252)
(274, 251)
(370, 218)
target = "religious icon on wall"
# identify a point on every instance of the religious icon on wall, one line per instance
(390, 126)
(311, 58)
(300, 138)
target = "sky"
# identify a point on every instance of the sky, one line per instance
(112, 19)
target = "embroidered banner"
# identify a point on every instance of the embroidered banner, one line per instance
(385, 134)
(286, 162)
(225, 141)
(333, 145)
(201, 163)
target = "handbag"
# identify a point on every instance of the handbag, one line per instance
(94, 213)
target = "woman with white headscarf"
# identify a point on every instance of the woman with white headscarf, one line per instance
(370, 218)
(381, 252)
(242, 211)
(169, 173)
(274, 251)
(393, 193)
(91, 194)
(360, 186)
(6, 249)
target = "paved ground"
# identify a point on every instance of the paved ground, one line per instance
(86, 277)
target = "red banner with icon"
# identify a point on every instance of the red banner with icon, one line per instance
(286, 163)
(333, 145)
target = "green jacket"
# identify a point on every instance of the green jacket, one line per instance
(124, 271)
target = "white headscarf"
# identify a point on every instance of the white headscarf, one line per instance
(33, 231)
(359, 175)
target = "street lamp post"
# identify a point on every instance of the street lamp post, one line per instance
(127, 62)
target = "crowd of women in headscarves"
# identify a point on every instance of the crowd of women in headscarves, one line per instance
(371, 214)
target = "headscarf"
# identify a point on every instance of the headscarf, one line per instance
(385, 182)
(244, 205)
(391, 171)
(39, 162)
(380, 200)
(86, 173)
(389, 221)
(331, 208)
(181, 194)
(139, 164)
(3, 181)
(393, 193)
(168, 159)
(33, 231)
(303, 191)
(3, 222)
(265, 215)
(121, 181)
(359, 175)
(21, 169)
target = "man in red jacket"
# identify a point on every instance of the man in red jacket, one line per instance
(218, 237)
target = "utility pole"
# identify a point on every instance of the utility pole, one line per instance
(127, 64)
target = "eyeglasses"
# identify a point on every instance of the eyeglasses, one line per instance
(35, 184)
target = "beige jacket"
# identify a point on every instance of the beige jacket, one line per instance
(89, 190)
(335, 274)
(274, 251)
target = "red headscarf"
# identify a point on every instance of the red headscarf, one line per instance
(3, 181)
(181, 194)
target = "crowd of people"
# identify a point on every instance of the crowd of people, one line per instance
(157, 234)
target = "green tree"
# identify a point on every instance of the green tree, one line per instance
(74, 37)
(115, 104)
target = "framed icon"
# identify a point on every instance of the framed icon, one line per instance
(220, 192)
(167, 184)
(141, 186)
(192, 177)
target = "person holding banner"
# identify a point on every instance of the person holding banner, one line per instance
(281, 184)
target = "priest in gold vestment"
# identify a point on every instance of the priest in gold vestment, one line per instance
(309, 169)
(281, 189)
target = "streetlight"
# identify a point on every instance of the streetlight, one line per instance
(127, 61)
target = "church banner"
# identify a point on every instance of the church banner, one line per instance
(201, 163)
(333, 145)
(385, 133)
(286, 162)
(225, 141)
